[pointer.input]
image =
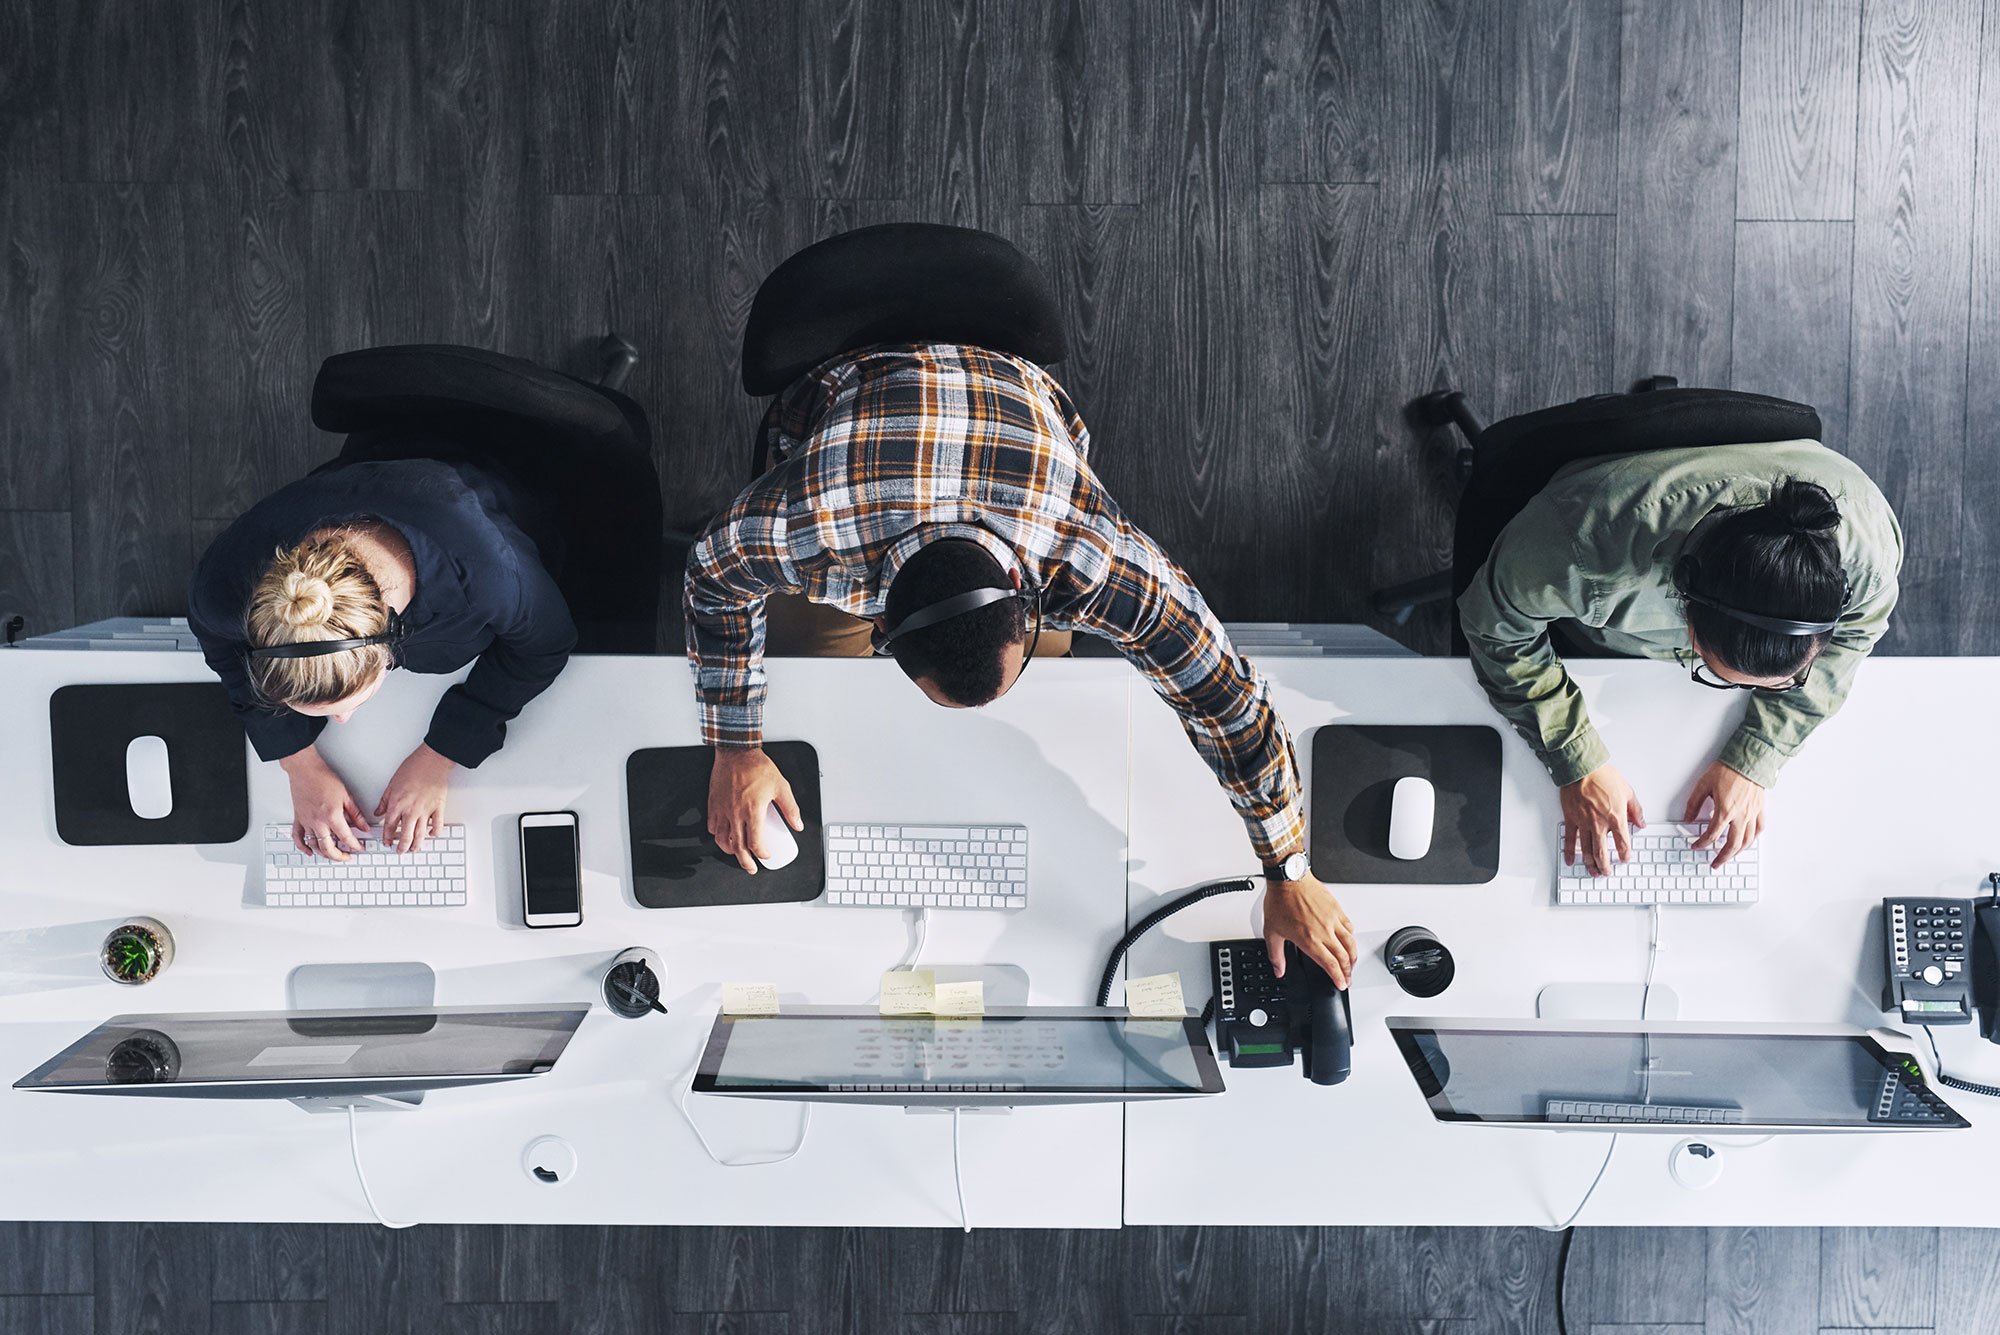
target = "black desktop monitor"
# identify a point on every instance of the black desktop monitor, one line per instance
(309, 1054)
(1666, 1076)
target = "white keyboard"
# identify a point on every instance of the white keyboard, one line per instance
(1663, 870)
(377, 877)
(928, 866)
(1677, 1114)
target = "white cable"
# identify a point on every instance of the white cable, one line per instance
(687, 1087)
(909, 960)
(958, 1173)
(354, 1145)
(1588, 1191)
(1646, 1074)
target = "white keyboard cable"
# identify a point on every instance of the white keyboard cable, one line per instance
(916, 947)
(687, 1088)
(354, 1146)
(1645, 995)
(958, 1173)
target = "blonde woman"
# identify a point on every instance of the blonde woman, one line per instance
(306, 602)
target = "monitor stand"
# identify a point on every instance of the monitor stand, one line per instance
(1606, 1001)
(1005, 985)
(408, 985)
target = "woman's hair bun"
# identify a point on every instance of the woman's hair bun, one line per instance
(307, 600)
(1804, 507)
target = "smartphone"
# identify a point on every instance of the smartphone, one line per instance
(551, 870)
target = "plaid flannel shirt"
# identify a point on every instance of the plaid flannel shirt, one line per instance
(878, 451)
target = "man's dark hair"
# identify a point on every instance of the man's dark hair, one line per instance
(1778, 559)
(960, 655)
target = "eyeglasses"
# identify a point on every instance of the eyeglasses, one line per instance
(1699, 670)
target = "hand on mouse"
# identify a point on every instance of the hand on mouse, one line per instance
(1305, 913)
(326, 820)
(1738, 811)
(743, 783)
(1600, 802)
(412, 806)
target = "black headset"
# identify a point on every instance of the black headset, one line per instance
(393, 637)
(958, 604)
(1688, 569)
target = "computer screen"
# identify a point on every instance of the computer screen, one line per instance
(279, 1054)
(1024, 1055)
(1661, 1075)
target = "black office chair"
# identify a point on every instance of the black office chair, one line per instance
(1501, 467)
(584, 449)
(896, 283)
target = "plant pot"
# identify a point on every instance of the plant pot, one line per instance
(137, 950)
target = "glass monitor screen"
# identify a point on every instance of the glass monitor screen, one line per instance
(1549, 1075)
(274, 1047)
(1032, 1054)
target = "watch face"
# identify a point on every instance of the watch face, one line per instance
(1294, 867)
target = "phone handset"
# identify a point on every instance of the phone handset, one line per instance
(1327, 1040)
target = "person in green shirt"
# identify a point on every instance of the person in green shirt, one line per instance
(1766, 567)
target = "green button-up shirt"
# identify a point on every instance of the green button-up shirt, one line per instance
(1595, 549)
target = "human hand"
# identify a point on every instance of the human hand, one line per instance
(412, 806)
(1737, 808)
(326, 820)
(742, 785)
(1305, 913)
(1601, 801)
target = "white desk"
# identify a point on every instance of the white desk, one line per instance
(1855, 818)
(1051, 755)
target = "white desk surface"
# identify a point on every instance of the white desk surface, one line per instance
(1853, 820)
(1051, 755)
(1874, 806)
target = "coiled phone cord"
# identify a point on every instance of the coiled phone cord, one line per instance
(1154, 919)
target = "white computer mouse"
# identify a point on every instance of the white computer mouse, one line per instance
(1412, 811)
(780, 845)
(149, 785)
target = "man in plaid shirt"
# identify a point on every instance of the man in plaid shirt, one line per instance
(978, 461)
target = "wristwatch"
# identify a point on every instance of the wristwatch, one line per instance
(1294, 868)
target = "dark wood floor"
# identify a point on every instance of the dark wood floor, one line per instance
(1272, 222)
(238, 1279)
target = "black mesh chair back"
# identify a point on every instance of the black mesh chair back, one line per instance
(1515, 458)
(583, 449)
(897, 283)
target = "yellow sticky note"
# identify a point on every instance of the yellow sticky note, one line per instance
(908, 991)
(959, 998)
(1155, 998)
(749, 998)
(1153, 1028)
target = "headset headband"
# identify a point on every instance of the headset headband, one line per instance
(947, 608)
(1688, 569)
(393, 637)
(1776, 625)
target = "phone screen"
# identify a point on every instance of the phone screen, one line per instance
(548, 869)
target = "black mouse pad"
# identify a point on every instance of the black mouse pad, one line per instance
(1354, 771)
(89, 729)
(675, 865)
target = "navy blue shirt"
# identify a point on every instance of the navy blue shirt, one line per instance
(482, 592)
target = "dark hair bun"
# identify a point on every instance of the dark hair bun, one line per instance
(1804, 507)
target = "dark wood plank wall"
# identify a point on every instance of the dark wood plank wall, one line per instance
(1271, 222)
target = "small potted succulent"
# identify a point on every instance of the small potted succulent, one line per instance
(137, 950)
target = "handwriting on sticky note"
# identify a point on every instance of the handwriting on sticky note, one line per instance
(749, 998)
(1157, 997)
(908, 991)
(959, 998)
